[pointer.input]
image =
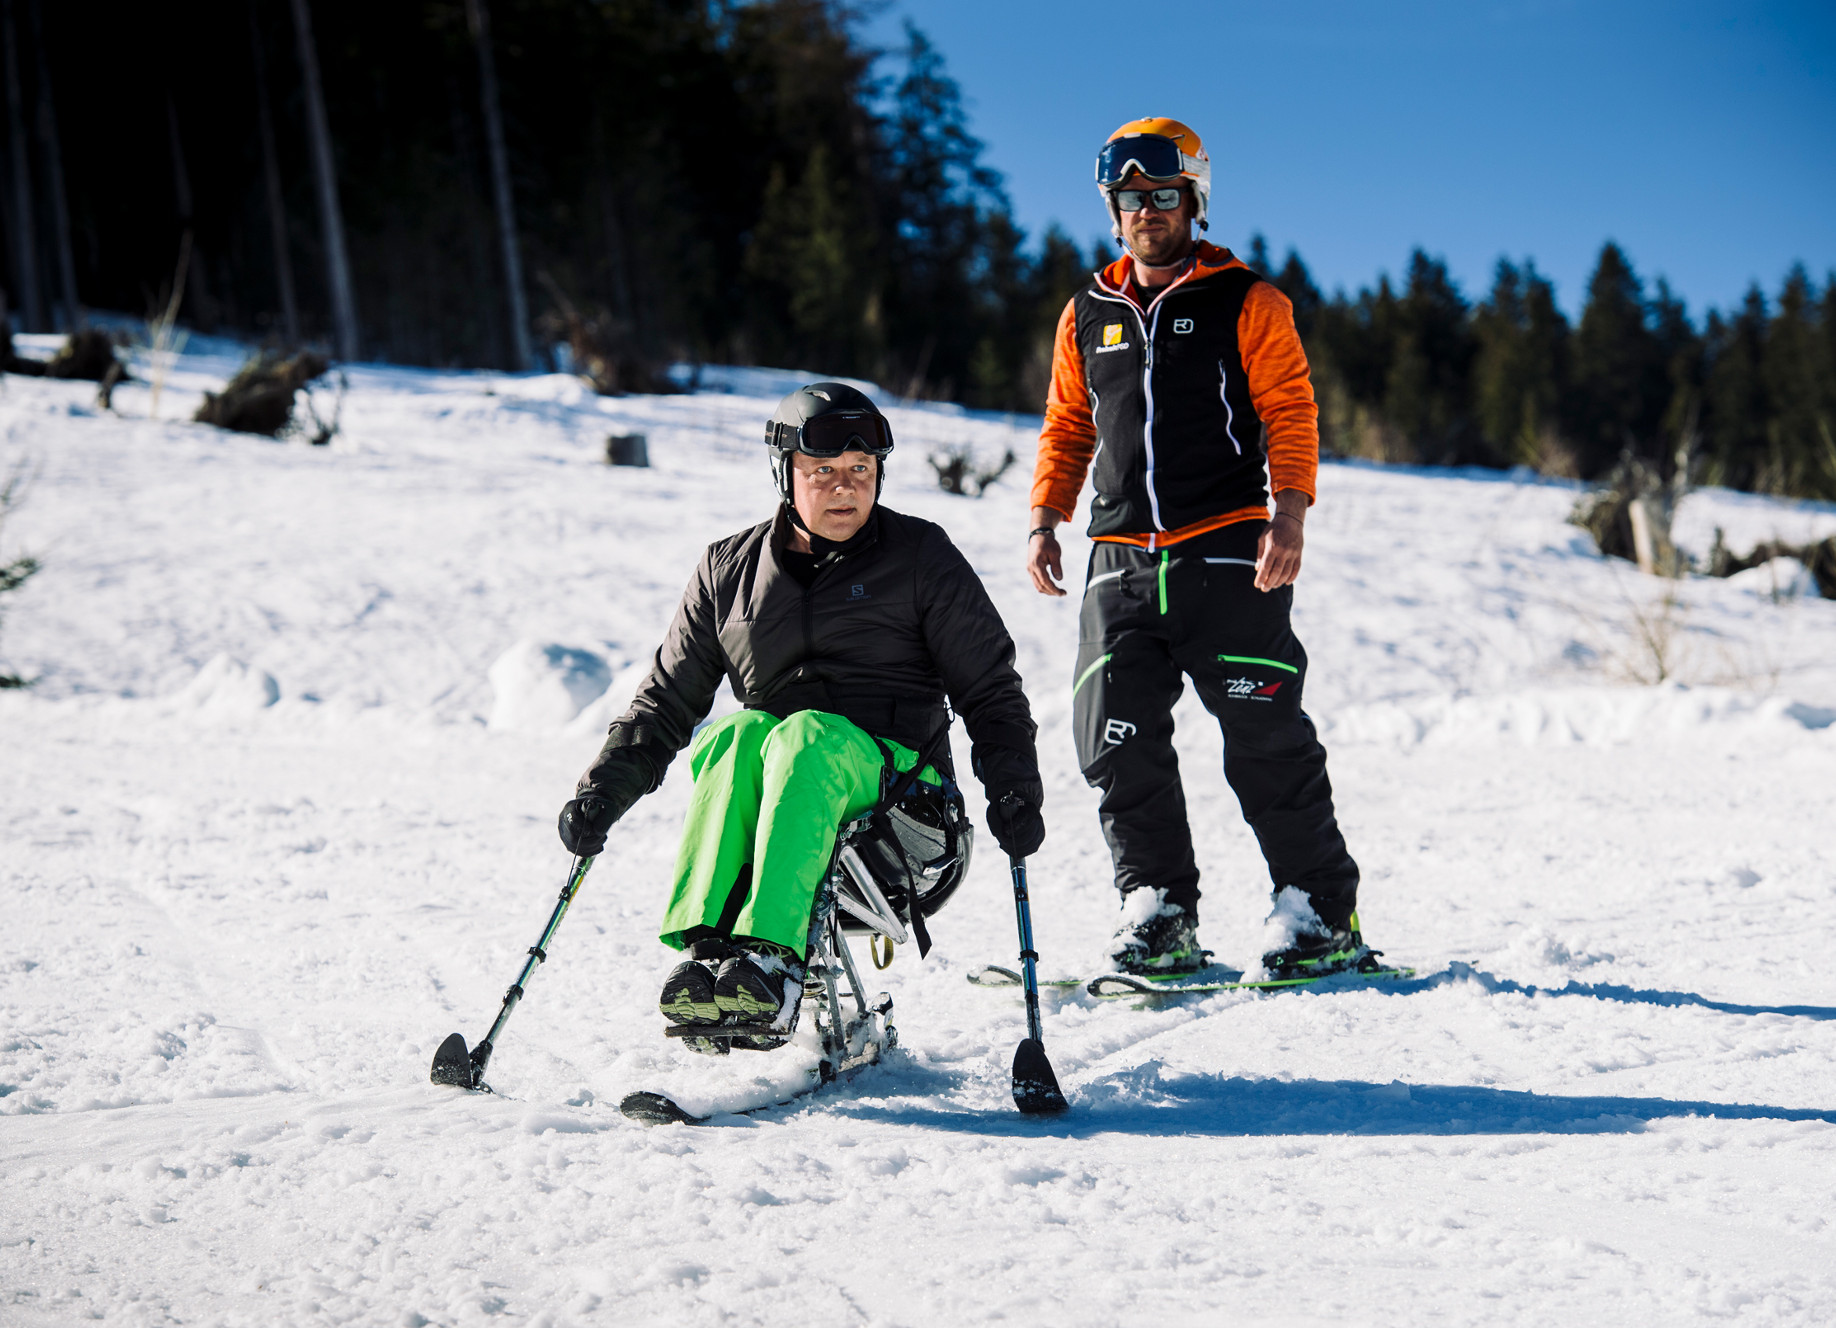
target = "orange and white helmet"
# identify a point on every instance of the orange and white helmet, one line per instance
(1160, 149)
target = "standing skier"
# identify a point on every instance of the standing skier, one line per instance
(843, 627)
(1179, 374)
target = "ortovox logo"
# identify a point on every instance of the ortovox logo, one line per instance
(1112, 334)
(1182, 325)
(1116, 731)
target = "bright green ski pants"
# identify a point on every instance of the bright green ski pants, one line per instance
(769, 796)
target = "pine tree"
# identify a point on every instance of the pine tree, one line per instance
(1295, 282)
(1005, 297)
(1350, 353)
(1681, 350)
(940, 194)
(1428, 385)
(1798, 459)
(1826, 374)
(1059, 273)
(1619, 390)
(1735, 395)
(808, 250)
(1521, 369)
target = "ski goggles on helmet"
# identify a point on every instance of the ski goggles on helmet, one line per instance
(1164, 200)
(1156, 157)
(831, 434)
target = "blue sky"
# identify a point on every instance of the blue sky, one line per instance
(1700, 136)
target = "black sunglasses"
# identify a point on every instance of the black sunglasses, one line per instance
(1164, 200)
(830, 435)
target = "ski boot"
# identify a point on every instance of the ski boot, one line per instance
(1155, 938)
(690, 995)
(1320, 949)
(761, 984)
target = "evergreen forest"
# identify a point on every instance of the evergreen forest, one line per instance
(471, 182)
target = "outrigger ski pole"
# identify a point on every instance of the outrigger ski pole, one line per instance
(452, 1064)
(1036, 1090)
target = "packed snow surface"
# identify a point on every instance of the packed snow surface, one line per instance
(279, 815)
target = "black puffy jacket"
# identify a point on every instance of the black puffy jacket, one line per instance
(883, 635)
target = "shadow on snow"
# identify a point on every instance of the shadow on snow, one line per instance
(1148, 1100)
(1604, 991)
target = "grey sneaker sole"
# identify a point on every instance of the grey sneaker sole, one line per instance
(688, 995)
(744, 991)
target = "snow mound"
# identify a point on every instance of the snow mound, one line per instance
(1778, 580)
(227, 687)
(540, 685)
(1602, 716)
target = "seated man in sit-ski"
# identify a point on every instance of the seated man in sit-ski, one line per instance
(843, 627)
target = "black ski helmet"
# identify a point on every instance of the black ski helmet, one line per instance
(825, 420)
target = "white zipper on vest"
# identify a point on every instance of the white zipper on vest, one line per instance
(1230, 416)
(1147, 433)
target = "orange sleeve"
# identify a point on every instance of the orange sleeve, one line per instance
(1068, 440)
(1280, 388)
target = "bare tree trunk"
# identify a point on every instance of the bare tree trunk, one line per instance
(480, 20)
(25, 244)
(331, 219)
(618, 265)
(203, 308)
(54, 165)
(270, 169)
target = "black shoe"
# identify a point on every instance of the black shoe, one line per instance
(1320, 952)
(1155, 943)
(761, 986)
(688, 992)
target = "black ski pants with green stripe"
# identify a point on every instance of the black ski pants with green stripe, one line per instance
(1149, 621)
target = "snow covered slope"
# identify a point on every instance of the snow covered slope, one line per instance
(267, 833)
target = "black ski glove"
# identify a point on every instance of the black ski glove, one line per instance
(618, 778)
(1015, 822)
(584, 823)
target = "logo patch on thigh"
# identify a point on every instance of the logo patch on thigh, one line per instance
(1249, 689)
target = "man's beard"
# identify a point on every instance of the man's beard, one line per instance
(1162, 250)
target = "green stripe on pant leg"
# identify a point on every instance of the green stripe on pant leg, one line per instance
(820, 770)
(727, 763)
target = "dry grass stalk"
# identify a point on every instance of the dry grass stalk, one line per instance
(165, 342)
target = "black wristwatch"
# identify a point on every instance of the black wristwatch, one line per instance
(1040, 530)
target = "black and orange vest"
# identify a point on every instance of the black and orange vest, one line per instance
(1177, 437)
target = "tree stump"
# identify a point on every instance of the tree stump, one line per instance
(627, 449)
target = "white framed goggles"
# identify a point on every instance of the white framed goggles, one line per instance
(1152, 155)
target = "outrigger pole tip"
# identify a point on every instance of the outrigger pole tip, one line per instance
(453, 1065)
(1036, 1090)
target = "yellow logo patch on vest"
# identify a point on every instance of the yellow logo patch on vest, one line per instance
(1112, 334)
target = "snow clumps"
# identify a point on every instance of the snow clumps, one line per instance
(539, 685)
(227, 687)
